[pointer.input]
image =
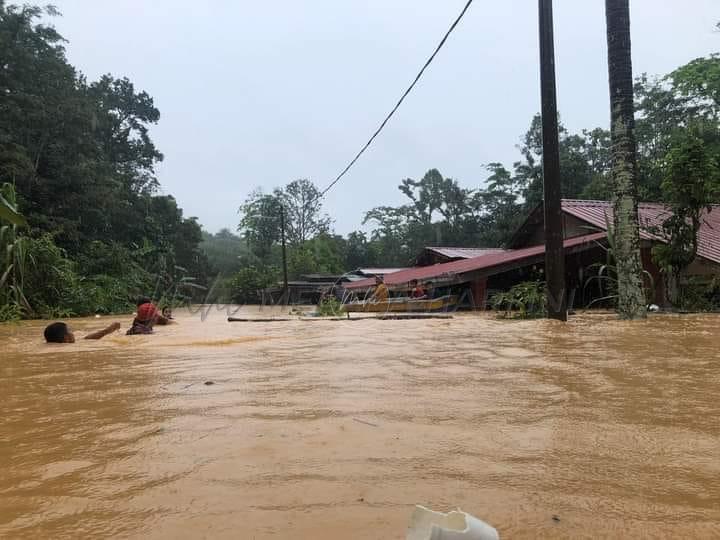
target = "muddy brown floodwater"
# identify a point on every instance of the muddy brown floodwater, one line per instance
(334, 430)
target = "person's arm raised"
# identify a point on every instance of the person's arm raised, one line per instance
(104, 332)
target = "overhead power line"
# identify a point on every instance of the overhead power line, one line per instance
(402, 98)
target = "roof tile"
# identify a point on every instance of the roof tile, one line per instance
(487, 261)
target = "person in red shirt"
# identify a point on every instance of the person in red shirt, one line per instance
(146, 317)
(416, 290)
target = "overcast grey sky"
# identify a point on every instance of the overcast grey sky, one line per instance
(258, 93)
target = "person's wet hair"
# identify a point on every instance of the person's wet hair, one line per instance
(143, 300)
(56, 332)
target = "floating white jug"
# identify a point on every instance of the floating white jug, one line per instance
(457, 525)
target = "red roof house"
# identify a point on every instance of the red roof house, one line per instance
(585, 225)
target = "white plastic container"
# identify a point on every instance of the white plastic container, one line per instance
(457, 525)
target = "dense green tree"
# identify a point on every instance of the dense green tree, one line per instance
(260, 222)
(304, 217)
(698, 83)
(584, 162)
(329, 252)
(247, 284)
(665, 105)
(311, 247)
(434, 196)
(80, 157)
(359, 251)
(225, 251)
(305, 220)
(439, 212)
(499, 206)
(323, 254)
(690, 185)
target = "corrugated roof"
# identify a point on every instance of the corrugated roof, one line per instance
(651, 217)
(463, 252)
(483, 262)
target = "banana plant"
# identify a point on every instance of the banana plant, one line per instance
(13, 256)
(606, 273)
(8, 207)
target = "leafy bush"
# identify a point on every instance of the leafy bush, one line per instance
(55, 290)
(699, 295)
(247, 284)
(48, 278)
(12, 256)
(330, 306)
(526, 300)
(101, 294)
(10, 312)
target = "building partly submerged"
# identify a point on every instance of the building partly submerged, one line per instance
(473, 273)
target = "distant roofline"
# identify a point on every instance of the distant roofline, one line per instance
(598, 202)
(570, 203)
(438, 272)
(456, 247)
(582, 209)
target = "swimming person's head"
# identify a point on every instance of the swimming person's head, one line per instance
(146, 313)
(143, 300)
(59, 332)
(167, 312)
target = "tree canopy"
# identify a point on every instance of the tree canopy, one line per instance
(79, 156)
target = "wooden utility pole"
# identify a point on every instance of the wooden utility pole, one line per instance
(286, 291)
(554, 251)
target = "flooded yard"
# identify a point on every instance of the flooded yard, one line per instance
(335, 429)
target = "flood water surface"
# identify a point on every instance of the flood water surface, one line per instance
(335, 429)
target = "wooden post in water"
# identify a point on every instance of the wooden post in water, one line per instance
(554, 251)
(286, 291)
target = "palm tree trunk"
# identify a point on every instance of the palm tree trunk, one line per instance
(631, 299)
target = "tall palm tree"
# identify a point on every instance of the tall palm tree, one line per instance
(631, 298)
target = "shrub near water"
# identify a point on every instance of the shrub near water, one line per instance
(248, 283)
(698, 295)
(330, 307)
(526, 300)
(55, 289)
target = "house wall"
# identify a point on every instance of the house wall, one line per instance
(658, 281)
(479, 291)
(572, 227)
(700, 268)
(428, 258)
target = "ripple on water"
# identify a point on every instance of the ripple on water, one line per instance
(313, 430)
